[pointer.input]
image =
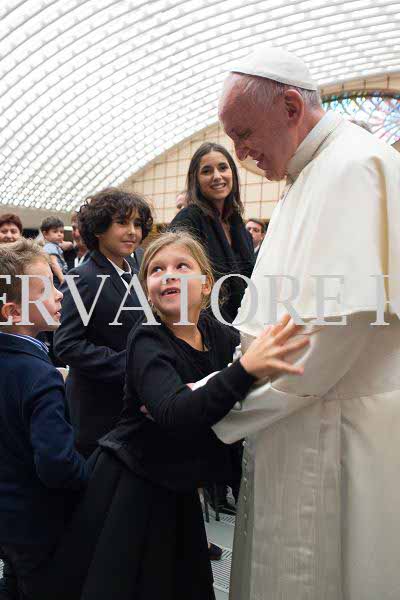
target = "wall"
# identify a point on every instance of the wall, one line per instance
(32, 217)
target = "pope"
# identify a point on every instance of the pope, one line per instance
(319, 514)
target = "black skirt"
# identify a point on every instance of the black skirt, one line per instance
(131, 540)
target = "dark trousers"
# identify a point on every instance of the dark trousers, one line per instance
(8, 583)
(22, 564)
(87, 450)
(218, 493)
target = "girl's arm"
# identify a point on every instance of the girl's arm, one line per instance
(172, 404)
(151, 371)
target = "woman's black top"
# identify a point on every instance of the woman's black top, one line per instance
(178, 449)
(225, 259)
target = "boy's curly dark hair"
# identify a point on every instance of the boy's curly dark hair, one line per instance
(111, 204)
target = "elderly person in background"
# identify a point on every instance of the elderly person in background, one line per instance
(10, 228)
(319, 511)
(257, 229)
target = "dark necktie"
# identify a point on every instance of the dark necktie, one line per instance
(128, 278)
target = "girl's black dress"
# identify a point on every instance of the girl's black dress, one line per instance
(139, 532)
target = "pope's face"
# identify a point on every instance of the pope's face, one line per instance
(264, 135)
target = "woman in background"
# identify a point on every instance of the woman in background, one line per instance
(214, 215)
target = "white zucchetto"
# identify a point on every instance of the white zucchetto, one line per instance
(276, 64)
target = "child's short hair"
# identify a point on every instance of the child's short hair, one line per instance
(11, 218)
(183, 238)
(51, 223)
(15, 259)
(100, 210)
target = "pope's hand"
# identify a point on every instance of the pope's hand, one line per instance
(266, 354)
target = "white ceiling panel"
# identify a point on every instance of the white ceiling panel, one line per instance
(92, 90)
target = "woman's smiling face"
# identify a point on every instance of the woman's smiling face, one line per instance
(214, 176)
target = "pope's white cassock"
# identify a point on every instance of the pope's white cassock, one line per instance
(319, 513)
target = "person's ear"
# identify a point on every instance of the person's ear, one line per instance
(206, 288)
(10, 313)
(294, 105)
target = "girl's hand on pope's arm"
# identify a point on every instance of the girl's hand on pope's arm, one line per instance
(266, 354)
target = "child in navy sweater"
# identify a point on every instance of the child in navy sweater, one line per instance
(40, 471)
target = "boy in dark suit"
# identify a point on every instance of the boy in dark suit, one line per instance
(40, 471)
(112, 224)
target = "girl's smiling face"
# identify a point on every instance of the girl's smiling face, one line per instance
(165, 295)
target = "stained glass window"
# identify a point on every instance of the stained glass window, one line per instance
(380, 111)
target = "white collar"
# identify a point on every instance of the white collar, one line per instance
(119, 270)
(312, 143)
(79, 260)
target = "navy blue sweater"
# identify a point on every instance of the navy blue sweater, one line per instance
(40, 471)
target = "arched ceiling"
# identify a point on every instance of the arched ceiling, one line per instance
(92, 90)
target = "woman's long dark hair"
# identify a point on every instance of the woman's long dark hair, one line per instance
(232, 204)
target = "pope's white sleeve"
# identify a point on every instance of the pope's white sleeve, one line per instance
(331, 353)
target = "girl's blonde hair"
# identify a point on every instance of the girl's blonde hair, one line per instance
(181, 238)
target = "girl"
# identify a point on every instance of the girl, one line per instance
(140, 526)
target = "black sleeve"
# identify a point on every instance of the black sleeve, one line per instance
(229, 333)
(70, 340)
(188, 219)
(171, 403)
(249, 241)
(57, 463)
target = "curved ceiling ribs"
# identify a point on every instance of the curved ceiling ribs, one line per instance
(93, 90)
